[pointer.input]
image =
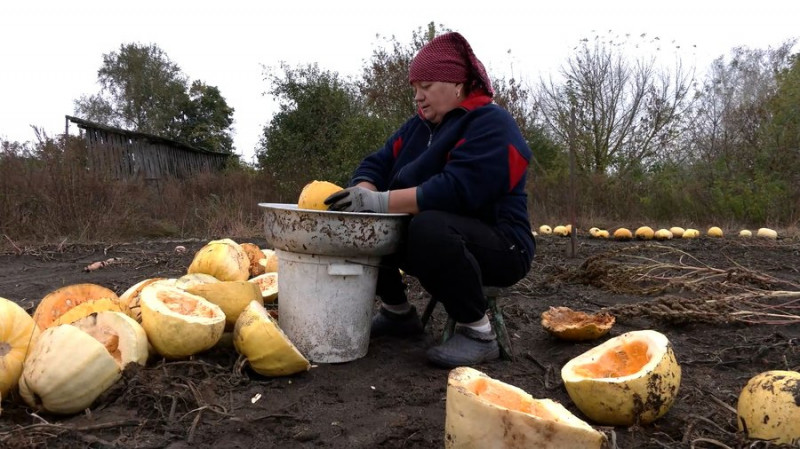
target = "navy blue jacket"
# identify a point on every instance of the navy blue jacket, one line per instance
(473, 163)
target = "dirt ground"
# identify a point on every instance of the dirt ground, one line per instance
(699, 293)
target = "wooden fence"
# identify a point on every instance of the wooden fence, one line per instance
(124, 154)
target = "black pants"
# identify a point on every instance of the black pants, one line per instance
(453, 257)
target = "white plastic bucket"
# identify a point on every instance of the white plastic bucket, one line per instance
(325, 304)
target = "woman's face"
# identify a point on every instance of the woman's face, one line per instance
(437, 98)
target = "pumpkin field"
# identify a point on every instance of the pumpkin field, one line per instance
(729, 308)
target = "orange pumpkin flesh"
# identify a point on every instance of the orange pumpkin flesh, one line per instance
(500, 394)
(621, 361)
(58, 302)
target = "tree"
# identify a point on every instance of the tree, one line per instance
(321, 131)
(143, 90)
(618, 115)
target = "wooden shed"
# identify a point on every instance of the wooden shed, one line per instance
(124, 154)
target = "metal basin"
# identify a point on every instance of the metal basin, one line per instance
(342, 234)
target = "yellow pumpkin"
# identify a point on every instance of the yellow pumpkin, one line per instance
(714, 231)
(191, 280)
(224, 259)
(482, 412)
(644, 233)
(677, 231)
(269, 351)
(129, 299)
(231, 296)
(58, 302)
(178, 323)
(663, 234)
(270, 261)
(268, 284)
(745, 233)
(255, 255)
(569, 324)
(71, 365)
(769, 407)
(690, 234)
(561, 230)
(545, 230)
(629, 379)
(602, 234)
(593, 231)
(767, 233)
(623, 234)
(314, 193)
(18, 331)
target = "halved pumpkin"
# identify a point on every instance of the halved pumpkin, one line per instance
(191, 280)
(18, 331)
(268, 350)
(71, 365)
(87, 308)
(270, 261)
(255, 255)
(574, 325)
(58, 302)
(231, 296)
(769, 407)
(482, 412)
(268, 285)
(129, 300)
(314, 193)
(224, 259)
(629, 379)
(178, 323)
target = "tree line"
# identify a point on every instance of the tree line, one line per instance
(647, 140)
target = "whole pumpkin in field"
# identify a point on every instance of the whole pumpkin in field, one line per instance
(224, 259)
(629, 379)
(769, 407)
(644, 233)
(482, 412)
(17, 332)
(71, 365)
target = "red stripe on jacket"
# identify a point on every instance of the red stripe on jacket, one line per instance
(397, 146)
(517, 165)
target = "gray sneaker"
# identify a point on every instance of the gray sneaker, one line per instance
(396, 325)
(466, 347)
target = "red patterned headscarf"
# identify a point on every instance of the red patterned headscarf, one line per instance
(449, 58)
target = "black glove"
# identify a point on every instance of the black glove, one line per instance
(358, 199)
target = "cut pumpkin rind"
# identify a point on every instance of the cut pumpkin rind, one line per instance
(129, 299)
(268, 350)
(224, 259)
(58, 302)
(484, 412)
(87, 308)
(629, 379)
(573, 325)
(268, 285)
(231, 296)
(178, 323)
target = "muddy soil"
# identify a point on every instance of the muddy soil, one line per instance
(708, 296)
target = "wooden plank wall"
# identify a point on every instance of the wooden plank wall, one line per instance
(125, 157)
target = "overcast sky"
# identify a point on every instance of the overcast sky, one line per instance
(50, 51)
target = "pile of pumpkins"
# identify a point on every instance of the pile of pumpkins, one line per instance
(647, 233)
(224, 290)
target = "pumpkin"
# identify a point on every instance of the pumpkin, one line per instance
(690, 234)
(129, 299)
(268, 285)
(224, 259)
(545, 230)
(562, 231)
(191, 280)
(663, 234)
(593, 231)
(268, 350)
(677, 231)
(482, 412)
(714, 231)
(18, 332)
(314, 193)
(58, 302)
(745, 233)
(270, 261)
(602, 234)
(178, 323)
(769, 407)
(231, 296)
(766, 233)
(629, 379)
(623, 234)
(569, 324)
(87, 308)
(644, 233)
(71, 365)
(255, 255)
